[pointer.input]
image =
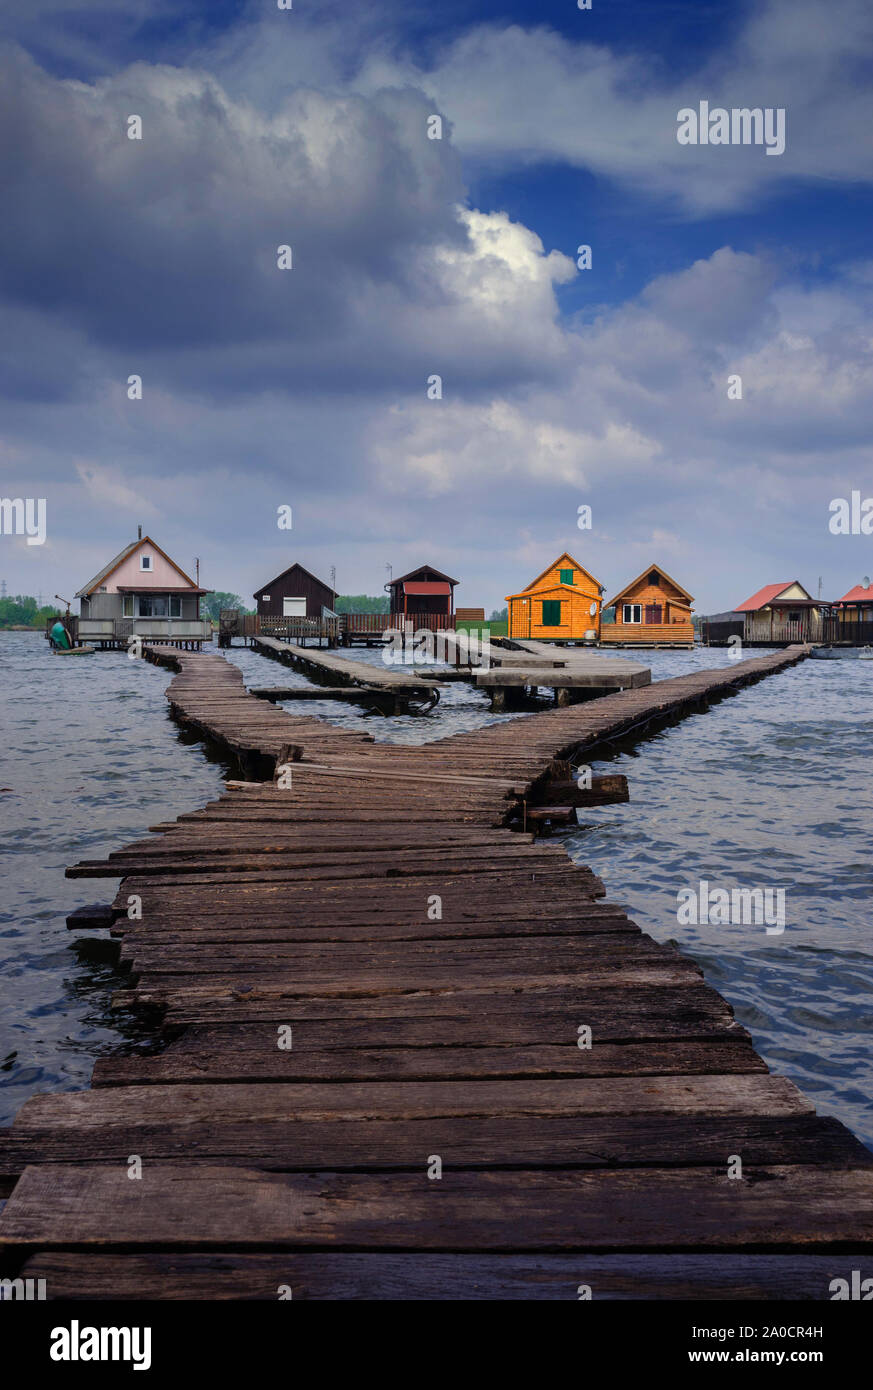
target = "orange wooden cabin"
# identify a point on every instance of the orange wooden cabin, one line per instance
(561, 605)
(652, 611)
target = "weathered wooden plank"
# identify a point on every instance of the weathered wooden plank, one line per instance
(215, 1207)
(154, 989)
(242, 1276)
(162, 928)
(496, 956)
(255, 1104)
(490, 1142)
(538, 1016)
(228, 866)
(250, 1054)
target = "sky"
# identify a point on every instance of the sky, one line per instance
(414, 257)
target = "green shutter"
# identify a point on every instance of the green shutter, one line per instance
(566, 576)
(551, 612)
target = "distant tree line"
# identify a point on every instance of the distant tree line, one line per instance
(22, 611)
(212, 604)
(361, 603)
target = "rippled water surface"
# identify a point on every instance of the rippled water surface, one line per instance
(769, 788)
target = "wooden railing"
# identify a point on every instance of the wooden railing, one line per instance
(841, 628)
(765, 627)
(364, 622)
(373, 623)
(646, 632)
(233, 623)
(85, 630)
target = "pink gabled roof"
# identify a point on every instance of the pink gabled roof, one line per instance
(858, 595)
(765, 596)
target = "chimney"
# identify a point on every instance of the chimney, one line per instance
(139, 533)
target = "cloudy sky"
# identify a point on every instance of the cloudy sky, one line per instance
(458, 257)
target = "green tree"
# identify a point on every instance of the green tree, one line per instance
(362, 603)
(212, 604)
(21, 611)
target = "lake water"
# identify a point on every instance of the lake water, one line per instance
(770, 788)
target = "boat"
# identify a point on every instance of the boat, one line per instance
(73, 651)
(832, 653)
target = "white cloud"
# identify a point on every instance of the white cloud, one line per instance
(528, 95)
(313, 392)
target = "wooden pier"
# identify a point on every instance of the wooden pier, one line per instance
(582, 676)
(390, 688)
(375, 1079)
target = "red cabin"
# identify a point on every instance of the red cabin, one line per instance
(424, 594)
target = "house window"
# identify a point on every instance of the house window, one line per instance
(551, 612)
(566, 576)
(655, 580)
(127, 606)
(631, 613)
(653, 612)
(145, 562)
(794, 617)
(152, 606)
(265, 598)
(175, 605)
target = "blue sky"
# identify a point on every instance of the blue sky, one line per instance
(457, 257)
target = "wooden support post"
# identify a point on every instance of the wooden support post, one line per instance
(604, 791)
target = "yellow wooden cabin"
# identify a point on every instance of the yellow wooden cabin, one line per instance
(560, 605)
(652, 611)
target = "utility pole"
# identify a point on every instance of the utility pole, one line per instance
(819, 588)
(333, 579)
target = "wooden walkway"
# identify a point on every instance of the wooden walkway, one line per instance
(366, 975)
(390, 688)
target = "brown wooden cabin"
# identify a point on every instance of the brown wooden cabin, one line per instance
(426, 594)
(652, 611)
(295, 593)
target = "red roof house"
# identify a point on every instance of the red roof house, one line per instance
(780, 614)
(424, 593)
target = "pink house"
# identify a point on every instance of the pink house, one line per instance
(142, 593)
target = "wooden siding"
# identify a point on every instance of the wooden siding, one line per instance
(526, 617)
(673, 625)
(678, 633)
(294, 583)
